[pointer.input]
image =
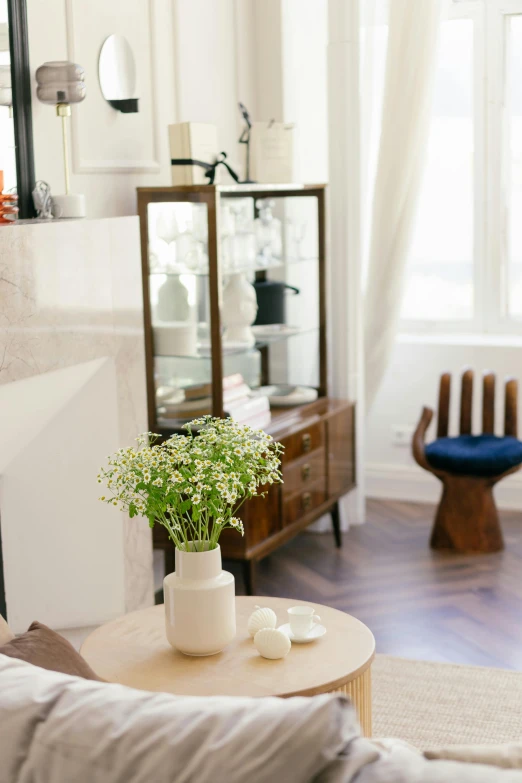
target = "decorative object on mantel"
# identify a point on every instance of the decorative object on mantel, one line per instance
(239, 311)
(261, 618)
(8, 204)
(61, 83)
(271, 643)
(193, 485)
(43, 201)
(117, 74)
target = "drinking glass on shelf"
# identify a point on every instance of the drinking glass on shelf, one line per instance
(197, 258)
(159, 255)
(295, 233)
(185, 248)
(242, 251)
(200, 223)
(243, 211)
(268, 232)
(167, 225)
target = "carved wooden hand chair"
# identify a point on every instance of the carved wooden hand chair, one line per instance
(469, 465)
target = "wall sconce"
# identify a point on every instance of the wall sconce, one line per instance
(117, 74)
(61, 83)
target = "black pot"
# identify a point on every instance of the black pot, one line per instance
(271, 301)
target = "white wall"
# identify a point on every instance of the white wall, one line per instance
(72, 390)
(411, 382)
(112, 153)
(55, 532)
(193, 62)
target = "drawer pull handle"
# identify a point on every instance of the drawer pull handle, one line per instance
(307, 442)
(307, 500)
(306, 470)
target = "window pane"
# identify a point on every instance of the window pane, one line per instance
(440, 268)
(514, 164)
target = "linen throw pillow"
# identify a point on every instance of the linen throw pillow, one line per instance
(60, 729)
(5, 632)
(45, 648)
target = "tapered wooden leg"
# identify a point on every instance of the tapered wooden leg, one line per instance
(467, 518)
(336, 523)
(249, 576)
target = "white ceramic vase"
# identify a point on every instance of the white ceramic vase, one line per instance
(173, 300)
(200, 609)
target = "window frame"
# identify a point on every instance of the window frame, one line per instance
(490, 269)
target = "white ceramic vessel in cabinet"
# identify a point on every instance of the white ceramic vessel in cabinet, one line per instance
(200, 609)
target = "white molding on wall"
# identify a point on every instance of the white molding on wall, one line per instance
(82, 166)
(410, 483)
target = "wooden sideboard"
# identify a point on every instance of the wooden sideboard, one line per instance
(318, 469)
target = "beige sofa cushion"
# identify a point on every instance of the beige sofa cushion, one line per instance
(60, 729)
(5, 632)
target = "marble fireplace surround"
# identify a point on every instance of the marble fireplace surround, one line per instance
(70, 294)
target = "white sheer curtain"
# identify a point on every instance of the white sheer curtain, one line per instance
(392, 171)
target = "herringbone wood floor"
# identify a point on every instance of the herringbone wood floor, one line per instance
(418, 603)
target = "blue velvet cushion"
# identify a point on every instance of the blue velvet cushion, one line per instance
(475, 455)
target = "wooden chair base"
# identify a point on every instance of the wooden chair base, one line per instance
(467, 518)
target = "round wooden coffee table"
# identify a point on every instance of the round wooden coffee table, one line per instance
(134, 651)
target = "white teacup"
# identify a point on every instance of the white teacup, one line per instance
(302, 619)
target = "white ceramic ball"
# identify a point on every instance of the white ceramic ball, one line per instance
(261, 618)
(271, 643)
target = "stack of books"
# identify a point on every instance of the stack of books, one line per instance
(238, 403)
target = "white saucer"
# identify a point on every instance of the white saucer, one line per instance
(316, 632)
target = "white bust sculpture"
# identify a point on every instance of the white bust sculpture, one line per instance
(239, 310)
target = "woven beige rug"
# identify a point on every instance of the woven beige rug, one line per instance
(441, 703)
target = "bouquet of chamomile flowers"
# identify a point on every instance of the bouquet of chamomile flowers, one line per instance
(193, 484)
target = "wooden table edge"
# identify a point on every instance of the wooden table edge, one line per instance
(331, 686)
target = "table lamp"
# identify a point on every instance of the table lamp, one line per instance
(61, 83)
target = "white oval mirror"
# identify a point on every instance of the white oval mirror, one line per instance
(117, 73)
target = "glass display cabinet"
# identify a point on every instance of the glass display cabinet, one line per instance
(235, 325)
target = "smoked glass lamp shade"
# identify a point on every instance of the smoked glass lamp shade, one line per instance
(60, 82)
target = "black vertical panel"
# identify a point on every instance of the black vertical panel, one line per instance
(23, 120)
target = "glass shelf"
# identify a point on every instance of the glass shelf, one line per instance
(204, 350)
(278, 263)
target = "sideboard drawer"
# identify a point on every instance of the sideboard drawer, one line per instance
(303, 442)
(300, 474)
(301, 503)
